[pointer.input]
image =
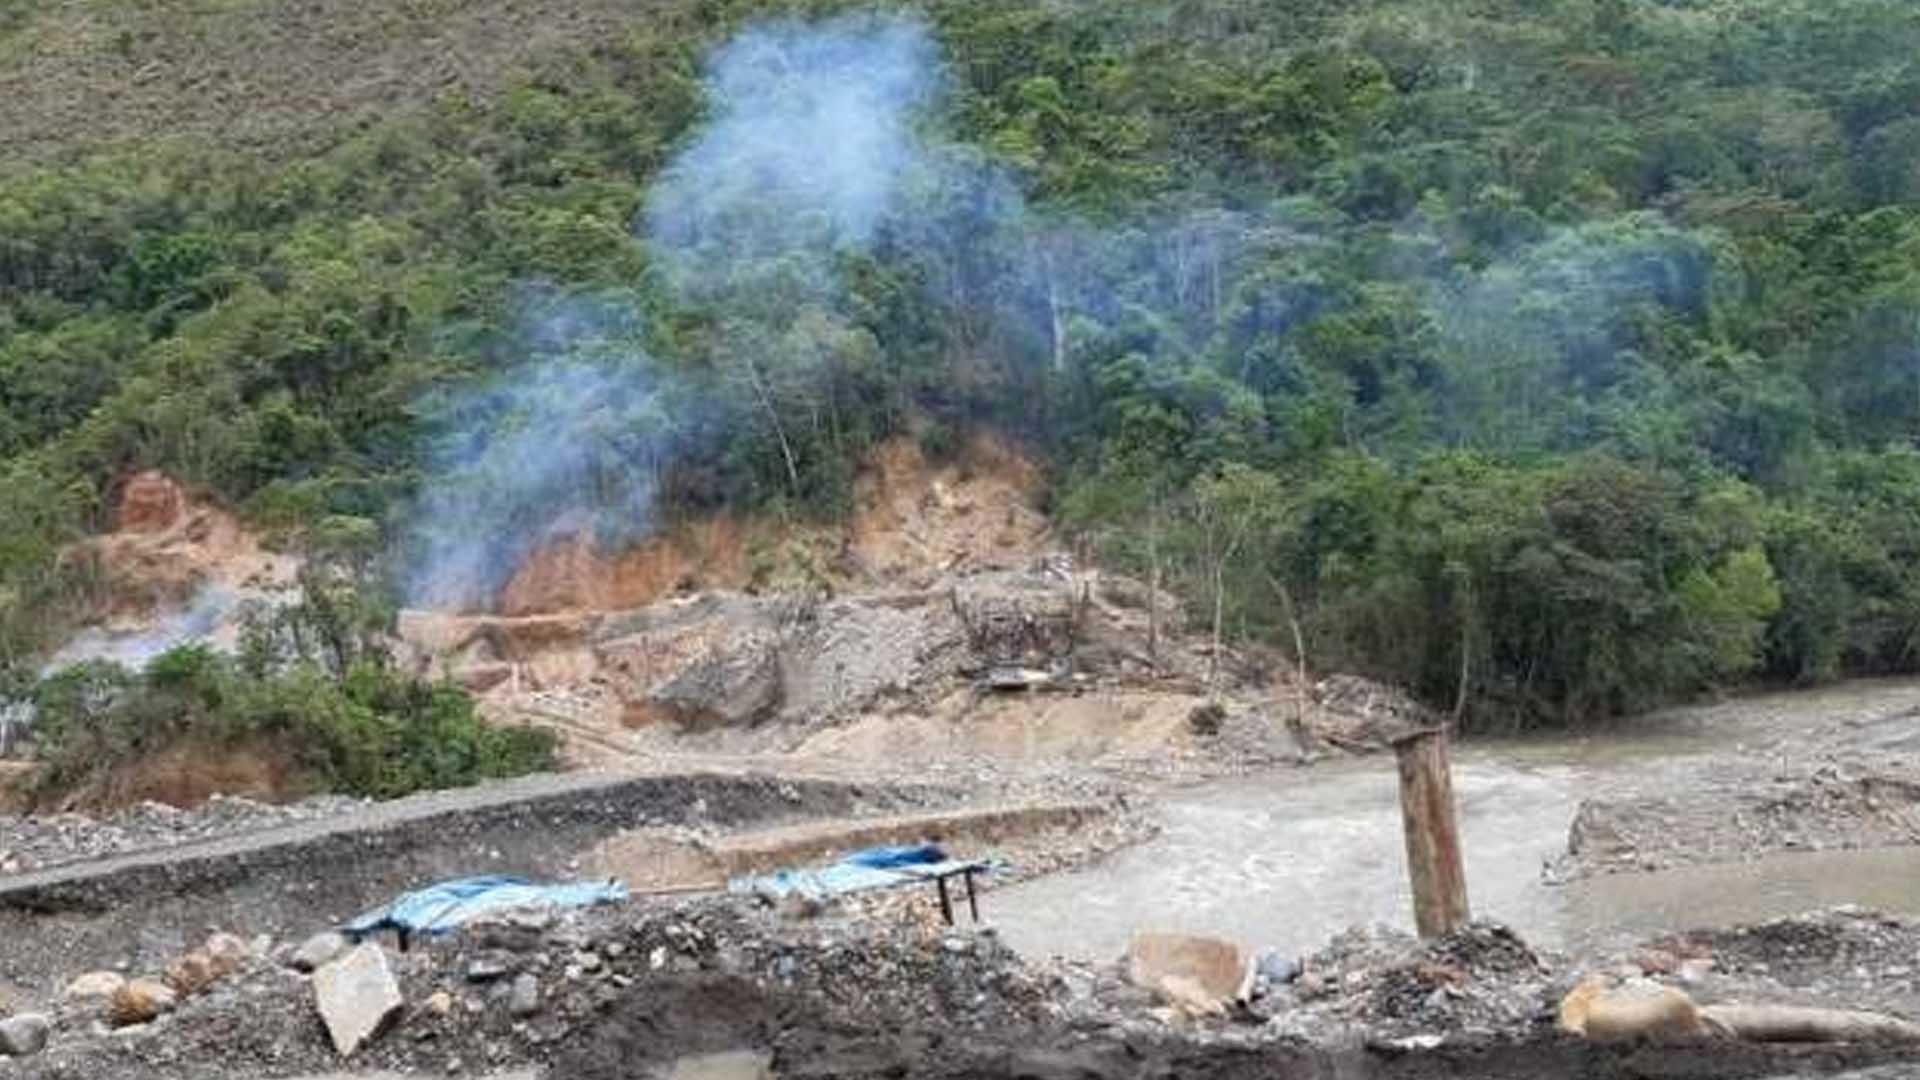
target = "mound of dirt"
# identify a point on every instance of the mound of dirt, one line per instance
(1482, 977)
(1010, 665)
(175, 569)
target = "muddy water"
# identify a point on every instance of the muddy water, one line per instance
(1290, 859)
(733, 1065)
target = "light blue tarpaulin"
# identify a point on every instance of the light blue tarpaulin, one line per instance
(442, 908)
(894, 858)
(874, 868)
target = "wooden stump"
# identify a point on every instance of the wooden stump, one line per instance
(1434, 866)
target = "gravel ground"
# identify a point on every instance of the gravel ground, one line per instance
(37, 842)
(1837, 769)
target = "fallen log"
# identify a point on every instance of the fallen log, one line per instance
(1596, 1010)
(1792, 1023)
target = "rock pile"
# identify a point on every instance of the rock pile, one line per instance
(619, 992)
(542, 985)
(1477, 981)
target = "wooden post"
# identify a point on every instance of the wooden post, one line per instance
(1434, 865)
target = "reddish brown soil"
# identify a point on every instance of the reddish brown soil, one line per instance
(572, 575)
(168, 546)
(186, 775)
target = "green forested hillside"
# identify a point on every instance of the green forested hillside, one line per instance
(1555, 357)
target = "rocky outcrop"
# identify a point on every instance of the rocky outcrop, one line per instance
(734, 688)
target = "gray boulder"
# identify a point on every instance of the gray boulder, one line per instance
(357, 997)
(24, 1034)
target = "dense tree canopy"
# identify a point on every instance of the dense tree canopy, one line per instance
(1555, 357)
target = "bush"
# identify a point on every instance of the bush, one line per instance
(374, 732)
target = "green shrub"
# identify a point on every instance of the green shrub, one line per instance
(375, 732)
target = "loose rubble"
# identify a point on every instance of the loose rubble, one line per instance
(1836, 803)
(603, 993)
(37, 842)
(1389, 986)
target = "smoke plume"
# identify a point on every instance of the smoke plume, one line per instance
(809, 145)
(804, 160)
(571, 441)
(133, 649)
(821, 149)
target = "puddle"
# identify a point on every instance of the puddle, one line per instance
(732, 1065)
(1291, 859)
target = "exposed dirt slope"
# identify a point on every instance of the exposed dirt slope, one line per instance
(913, 521)
(939, 620)
(175, 565)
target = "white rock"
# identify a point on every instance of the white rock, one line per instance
(357, 997)
(24, 1034)
(525, 999)
(318, 951)
(227, 953)
(95, 984)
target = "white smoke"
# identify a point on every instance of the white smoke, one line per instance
(133, 649)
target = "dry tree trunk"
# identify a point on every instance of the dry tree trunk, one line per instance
(765, 399)
(1299, 723)
(1153, 588)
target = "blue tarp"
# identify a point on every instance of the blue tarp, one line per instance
(874, 868)
(891, 858)
(442, 908)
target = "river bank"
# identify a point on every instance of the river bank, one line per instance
(1741, 810)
